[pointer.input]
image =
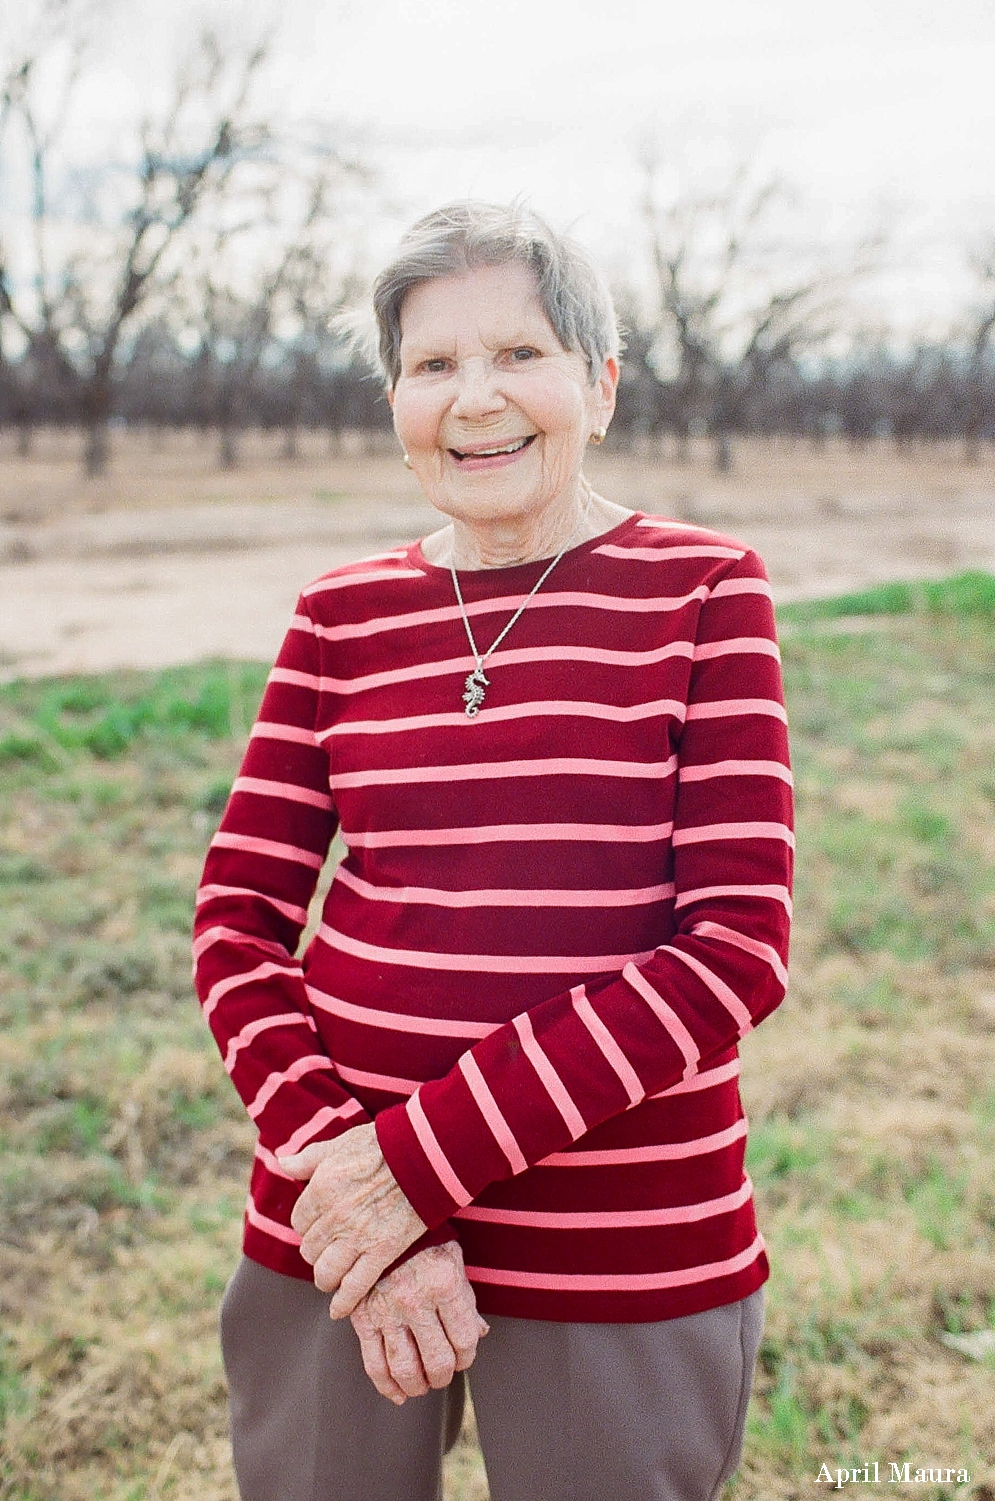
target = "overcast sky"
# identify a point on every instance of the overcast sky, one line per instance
(864, 105)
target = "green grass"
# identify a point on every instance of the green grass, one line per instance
(894, 752)
(108, 716)
(125, 1152)
(964, 596)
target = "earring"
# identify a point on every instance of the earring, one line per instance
(599, 435)
(407, 462)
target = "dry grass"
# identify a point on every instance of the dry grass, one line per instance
(871, 1093)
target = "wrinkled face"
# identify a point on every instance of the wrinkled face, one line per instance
(493, 412)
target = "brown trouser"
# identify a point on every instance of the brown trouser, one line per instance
(565, 1412)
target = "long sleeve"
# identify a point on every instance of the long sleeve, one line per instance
(541, 1081)
(260, 875)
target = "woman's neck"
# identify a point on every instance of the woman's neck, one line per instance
(519, 539)
(514, 540)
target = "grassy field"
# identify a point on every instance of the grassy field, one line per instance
(871, 1093)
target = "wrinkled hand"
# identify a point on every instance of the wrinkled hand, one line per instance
(353, 1217)
(419, 1325)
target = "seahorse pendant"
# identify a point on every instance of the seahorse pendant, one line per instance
(476, 685)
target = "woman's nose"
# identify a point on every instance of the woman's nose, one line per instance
(478, 392)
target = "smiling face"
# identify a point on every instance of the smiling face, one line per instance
(493, 412)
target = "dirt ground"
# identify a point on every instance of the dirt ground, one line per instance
(170, 560)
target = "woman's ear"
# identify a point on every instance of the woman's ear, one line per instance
(608, 389)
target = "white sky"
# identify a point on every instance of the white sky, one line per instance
(862, 104)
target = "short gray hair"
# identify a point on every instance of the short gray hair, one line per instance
(463, 236)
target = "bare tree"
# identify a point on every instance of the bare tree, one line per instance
(81, 297)
(41, 375)
(262, 293)
(733, 303)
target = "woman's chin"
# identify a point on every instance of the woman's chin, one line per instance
(486, 511)
(506, 494)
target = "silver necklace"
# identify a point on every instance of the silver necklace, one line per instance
(477, 682)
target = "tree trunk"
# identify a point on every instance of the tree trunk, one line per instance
(96, 405)
(682, 442)
(227, 446)
(723, 452)
(97, 446)
(25, 432)
(974, 420)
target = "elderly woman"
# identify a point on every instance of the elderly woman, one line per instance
(497, 1097)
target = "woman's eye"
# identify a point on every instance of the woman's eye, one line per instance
(522, 354)
(436, 366)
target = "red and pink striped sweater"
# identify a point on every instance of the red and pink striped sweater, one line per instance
(552, 925)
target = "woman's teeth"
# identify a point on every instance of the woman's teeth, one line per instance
(492, 453)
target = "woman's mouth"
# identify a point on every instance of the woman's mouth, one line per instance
(494, 456)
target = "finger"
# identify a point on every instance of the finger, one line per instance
(320, 1235)
(317, 1202)
(355, 1280)
(306, 1211)
(302, 1164)
(438, 1356)
(371, 1347)
(330, 1270)
(404, 1360)
(464, 1329)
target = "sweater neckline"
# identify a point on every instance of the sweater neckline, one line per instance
(526, 570)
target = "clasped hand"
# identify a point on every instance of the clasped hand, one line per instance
(353, 1218)
(418, 1325)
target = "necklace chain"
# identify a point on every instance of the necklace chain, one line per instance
(477, 683)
